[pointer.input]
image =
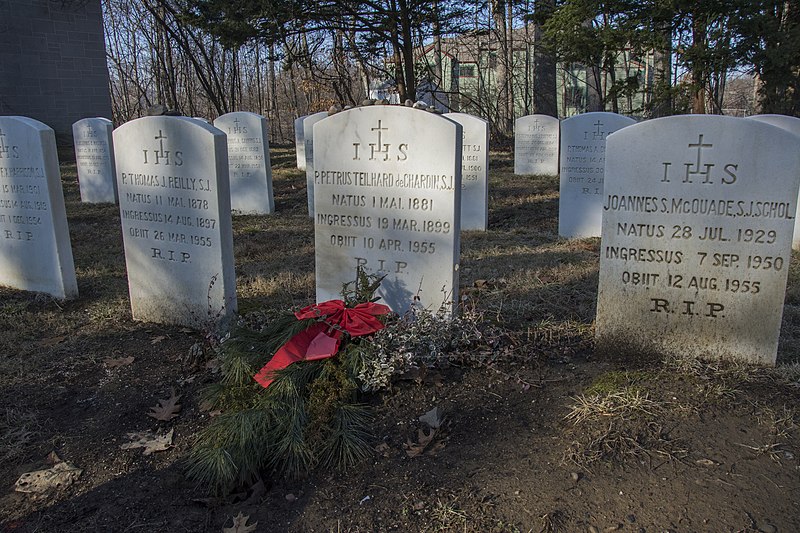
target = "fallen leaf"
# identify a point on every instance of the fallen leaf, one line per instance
(433, 418)
(706, 462)
(57, 477)
(167, 409)
(119, 361)
(240, 525)
(150, 442)
(53, 458)
(415, 449)
(383, 449)
(157, 339)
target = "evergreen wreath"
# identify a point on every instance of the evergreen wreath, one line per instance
(297, 417)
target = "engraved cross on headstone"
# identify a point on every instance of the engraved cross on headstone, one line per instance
(689, 172)
(381, 147)
(161, 152)
(599, 133)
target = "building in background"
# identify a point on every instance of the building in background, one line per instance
(53, 63)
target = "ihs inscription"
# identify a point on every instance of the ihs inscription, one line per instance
(162, 156)
(697, 169)
(380, 148)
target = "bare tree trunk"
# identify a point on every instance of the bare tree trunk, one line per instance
(699, 79)
(545, 100)
(503, 66)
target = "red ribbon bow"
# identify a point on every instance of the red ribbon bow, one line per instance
(323, 338)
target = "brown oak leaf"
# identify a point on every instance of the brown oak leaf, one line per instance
(414, 449)
(240, 525)
(166, 409)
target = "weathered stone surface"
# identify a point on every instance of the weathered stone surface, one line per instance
(35, 251)
(388, 193)
(474, 171)
(174, 197)
(536, 145)
(583, 146)
(94, 155)
(697, 227)
(308, 128)
(792, 125)
(250, 171)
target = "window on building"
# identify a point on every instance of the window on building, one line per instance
(466, 71)
(574, 96)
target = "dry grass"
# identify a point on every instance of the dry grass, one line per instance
(18, 428)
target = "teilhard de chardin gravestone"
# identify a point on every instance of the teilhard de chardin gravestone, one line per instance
(94, 156)
(698, 214)
(583, 147)
(172, 176)
(35, 252)
(792, 125)
(388, 189)
(300, 142)
(308, 133)
(474, 171)
(536, 145)
(248, 161)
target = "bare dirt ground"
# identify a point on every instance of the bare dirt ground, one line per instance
(549, 437)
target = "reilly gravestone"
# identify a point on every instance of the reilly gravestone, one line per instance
(172, 175)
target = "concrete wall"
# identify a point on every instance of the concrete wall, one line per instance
(53, 62)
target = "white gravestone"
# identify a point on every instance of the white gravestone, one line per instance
(35, 252)
(248, 162)
(388, 192)
(536, 145)
(94, 155)
(172, 176)
(308, 129)
(474, 171)
(300, 142)
(583, 151)
(698, 213)
(792, 125)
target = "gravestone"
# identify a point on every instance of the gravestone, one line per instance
(536, 145)
(697, 228)
(308, 129)
(248, 162)
(300, 142)
(35, 252)
(174, 198)
(474, 171)
(388, 192)
(792, 125)
(583, 147)
(94, 156)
